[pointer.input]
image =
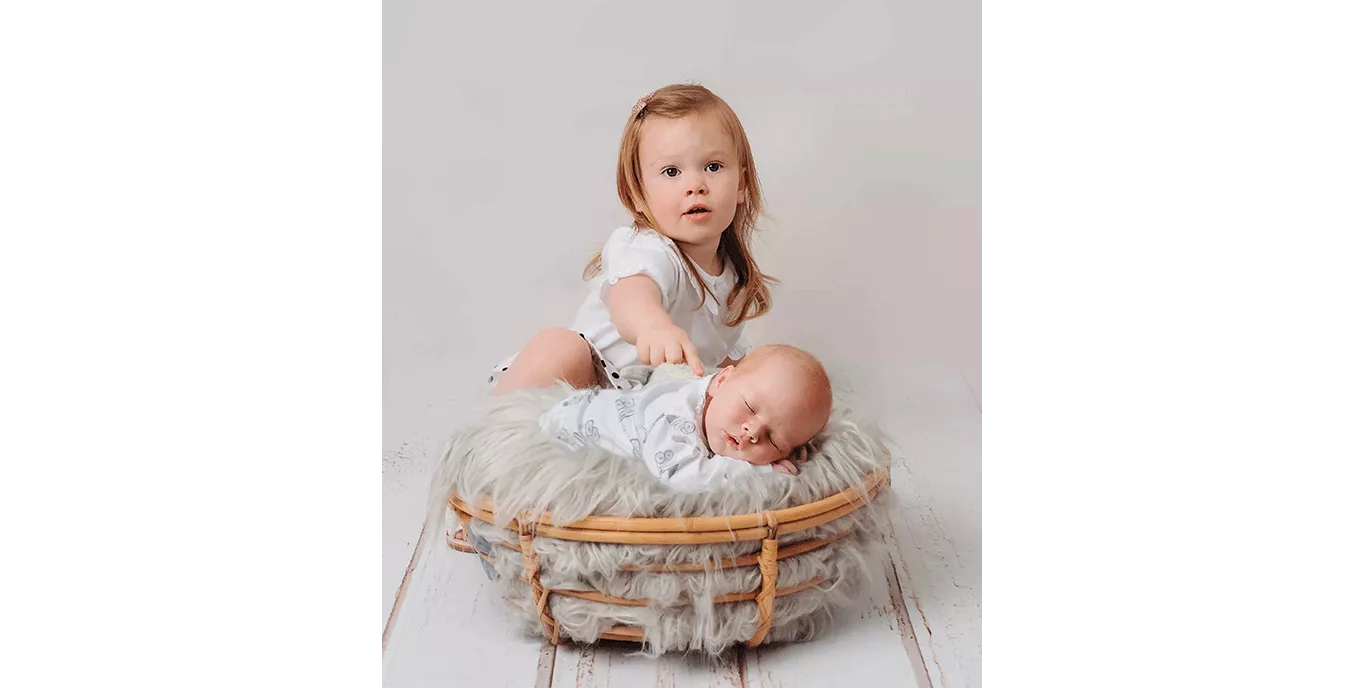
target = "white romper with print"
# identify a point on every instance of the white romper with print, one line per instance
(659, 424)
(629, 251)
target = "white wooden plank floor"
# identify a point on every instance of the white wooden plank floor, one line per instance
(920, 624)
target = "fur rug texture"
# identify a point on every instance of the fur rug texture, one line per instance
(503, 456)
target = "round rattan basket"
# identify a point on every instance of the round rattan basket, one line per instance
(768, 526)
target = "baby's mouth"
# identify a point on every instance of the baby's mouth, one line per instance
(697, 211)
(732, 440)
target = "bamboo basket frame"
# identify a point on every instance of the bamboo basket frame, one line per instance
(767, 526)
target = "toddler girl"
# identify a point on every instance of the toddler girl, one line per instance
(678, 285)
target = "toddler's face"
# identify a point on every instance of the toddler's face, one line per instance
(760, 415)
(688, 162)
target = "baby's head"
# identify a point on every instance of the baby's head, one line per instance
(771, 403)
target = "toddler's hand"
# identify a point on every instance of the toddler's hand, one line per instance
(668, 344)
(785, 466)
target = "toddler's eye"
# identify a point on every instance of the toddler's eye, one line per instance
(714, 167)
(666, 170)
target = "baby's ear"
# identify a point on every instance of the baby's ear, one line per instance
(720, 377)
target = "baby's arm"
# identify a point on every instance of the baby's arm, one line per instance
(686, 468)
(785, 466)
(636, 307)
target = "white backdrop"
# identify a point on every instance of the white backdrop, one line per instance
(501, 132)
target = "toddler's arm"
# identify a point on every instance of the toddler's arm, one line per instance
(636, 307)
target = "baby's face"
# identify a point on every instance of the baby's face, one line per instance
(762, 413)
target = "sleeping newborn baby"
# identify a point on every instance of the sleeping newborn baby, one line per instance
(695, 434)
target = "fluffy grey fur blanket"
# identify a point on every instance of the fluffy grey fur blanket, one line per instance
(505, 457)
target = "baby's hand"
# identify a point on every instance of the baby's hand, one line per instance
(785, 466)
(668, 344)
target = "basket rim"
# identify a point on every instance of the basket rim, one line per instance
(718, 528)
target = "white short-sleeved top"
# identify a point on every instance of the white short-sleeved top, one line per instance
(659, 424)
(630, 251)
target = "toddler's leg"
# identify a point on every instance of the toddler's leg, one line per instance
(554, 354)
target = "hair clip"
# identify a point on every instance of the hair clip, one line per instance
(639, 107)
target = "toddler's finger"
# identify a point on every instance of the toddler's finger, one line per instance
(693, 359)
(674, 352)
